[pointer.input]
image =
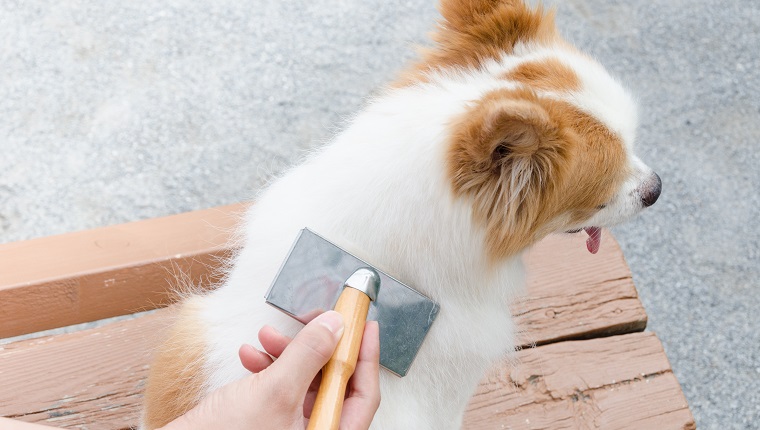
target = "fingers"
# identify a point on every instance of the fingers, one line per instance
(301, 358)
(364, 386)
(273, 341)
(252, 359)
(9, 424)
(309, 351)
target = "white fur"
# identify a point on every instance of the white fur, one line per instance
(600, 94)
(380, 190)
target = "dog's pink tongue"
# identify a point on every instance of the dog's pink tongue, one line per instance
(594, 239)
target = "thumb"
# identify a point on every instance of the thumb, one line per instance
(310, 350)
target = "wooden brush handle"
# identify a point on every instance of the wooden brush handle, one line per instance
(353, 305)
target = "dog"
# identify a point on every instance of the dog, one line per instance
(499, 135)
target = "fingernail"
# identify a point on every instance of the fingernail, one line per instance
(333, 321)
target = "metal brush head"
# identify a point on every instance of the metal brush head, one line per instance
(312, 277)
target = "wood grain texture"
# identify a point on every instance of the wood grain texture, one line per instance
(94, 274)
(573, 294)
(328, 405)
(91, 379)
(612, 383)
(117, 270)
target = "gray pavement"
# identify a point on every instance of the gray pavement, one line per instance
(118, 111)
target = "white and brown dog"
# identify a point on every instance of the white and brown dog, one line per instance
(502, 134)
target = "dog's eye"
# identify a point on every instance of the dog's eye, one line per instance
(600, 207)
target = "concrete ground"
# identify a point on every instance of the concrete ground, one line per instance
(118, 111)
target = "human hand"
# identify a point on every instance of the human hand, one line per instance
(280, 393)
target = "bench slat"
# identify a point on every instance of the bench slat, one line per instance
(96, 375)
(94, 378)
(573, 294)
(95, 274)
(617, 382)
(85, 276)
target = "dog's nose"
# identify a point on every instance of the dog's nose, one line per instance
(651, 190)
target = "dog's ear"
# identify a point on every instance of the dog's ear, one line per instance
(511, 132)
(508, 140)
(505, 153)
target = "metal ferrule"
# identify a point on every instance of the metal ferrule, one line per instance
(365, 280)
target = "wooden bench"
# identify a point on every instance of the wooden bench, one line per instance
(585, 362)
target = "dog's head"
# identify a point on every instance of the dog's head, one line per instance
(548, 144)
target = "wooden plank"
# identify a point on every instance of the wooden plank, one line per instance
(563, 302)
(85, 276)
(93, 379)
(64, 391)
(573, 294)
(621, 382)
(95, 274)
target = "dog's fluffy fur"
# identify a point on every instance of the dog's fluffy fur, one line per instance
(501, 134)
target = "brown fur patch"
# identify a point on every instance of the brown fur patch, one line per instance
(473, 31)
(531, 166)
(548, 74)
(175, 381)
